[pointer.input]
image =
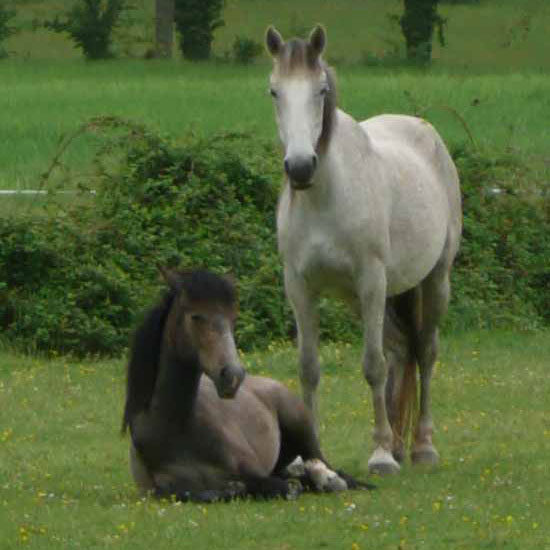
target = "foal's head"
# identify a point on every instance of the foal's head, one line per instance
(304, 94)
(200, 326)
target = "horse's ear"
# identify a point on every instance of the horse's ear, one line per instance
(231, 278)
(169, 276)
(273, 41)
(318, 39)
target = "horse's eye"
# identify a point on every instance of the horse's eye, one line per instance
(324, 90)
(273, 92)
(198, 318)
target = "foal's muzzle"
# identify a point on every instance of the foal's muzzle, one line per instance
(300, 171)
(229, 381)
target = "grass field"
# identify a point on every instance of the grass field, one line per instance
(64, 481)
(42, 101)
(494, 73)
(63, 468)
(494, 35)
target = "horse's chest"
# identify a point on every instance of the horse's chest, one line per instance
(317, 249)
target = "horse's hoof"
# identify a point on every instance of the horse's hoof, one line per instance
(323, 478)
(382, 463)
(295, 489)
(425, 456)
(336, 483)
(296, 468)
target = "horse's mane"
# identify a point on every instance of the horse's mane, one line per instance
(143, 366)
(144, 359)
(331, 100)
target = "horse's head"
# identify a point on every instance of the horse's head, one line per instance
(202, 324)
(303, 91)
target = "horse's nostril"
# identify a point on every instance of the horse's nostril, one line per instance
(314, 161)
(287, 166)
(225, 374)
(229, 374)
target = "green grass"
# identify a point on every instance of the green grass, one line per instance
(64, 481)
(495, 35)
(41, 102)
(494, 73)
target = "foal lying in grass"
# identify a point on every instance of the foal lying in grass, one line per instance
(200, 429)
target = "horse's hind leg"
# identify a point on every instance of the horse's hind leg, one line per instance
(304, 305)
(435, 299)
(401, 325)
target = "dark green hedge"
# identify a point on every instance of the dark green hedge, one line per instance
(74, 278)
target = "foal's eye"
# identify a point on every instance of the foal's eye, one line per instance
(198, 318)
(273, 92)
(324, 90)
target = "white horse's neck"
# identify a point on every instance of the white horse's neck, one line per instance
(347, 150)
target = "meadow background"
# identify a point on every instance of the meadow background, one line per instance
(63, 473)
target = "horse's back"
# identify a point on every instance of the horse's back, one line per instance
(416, 135)
(417, 146)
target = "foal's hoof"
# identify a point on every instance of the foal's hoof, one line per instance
(425, 456)
(296, 468)
(382, 463)
(295, 489)
(323, 478)
(335, 483)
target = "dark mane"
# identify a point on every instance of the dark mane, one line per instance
(331, 101)
(296, 56)
(204, 286)
(198, 286)
(144, 359)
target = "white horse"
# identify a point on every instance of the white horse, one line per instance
(372, 212)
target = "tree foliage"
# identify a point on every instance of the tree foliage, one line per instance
(418, 23)
(164, 25)
(196, 21)
(90, 24)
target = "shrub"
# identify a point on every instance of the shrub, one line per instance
(74, 280)
(90, 24)
(196, 21)
(501, 276)
(246, 50)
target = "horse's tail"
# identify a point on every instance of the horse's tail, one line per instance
(401, 329)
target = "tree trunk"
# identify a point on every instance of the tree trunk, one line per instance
(164, 28)
(418, 24)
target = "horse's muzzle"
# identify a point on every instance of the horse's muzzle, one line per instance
(300, 171)
(229, 381)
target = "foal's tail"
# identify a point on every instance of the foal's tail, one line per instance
(401, 329)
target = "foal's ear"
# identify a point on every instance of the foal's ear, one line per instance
(170, 277)
(273, 41)
(318, 39)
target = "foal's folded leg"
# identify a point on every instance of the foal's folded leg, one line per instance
(171, 489)
(254, 487)
(273, 487)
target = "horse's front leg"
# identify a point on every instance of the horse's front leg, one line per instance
(304, 306)
(373, 301)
